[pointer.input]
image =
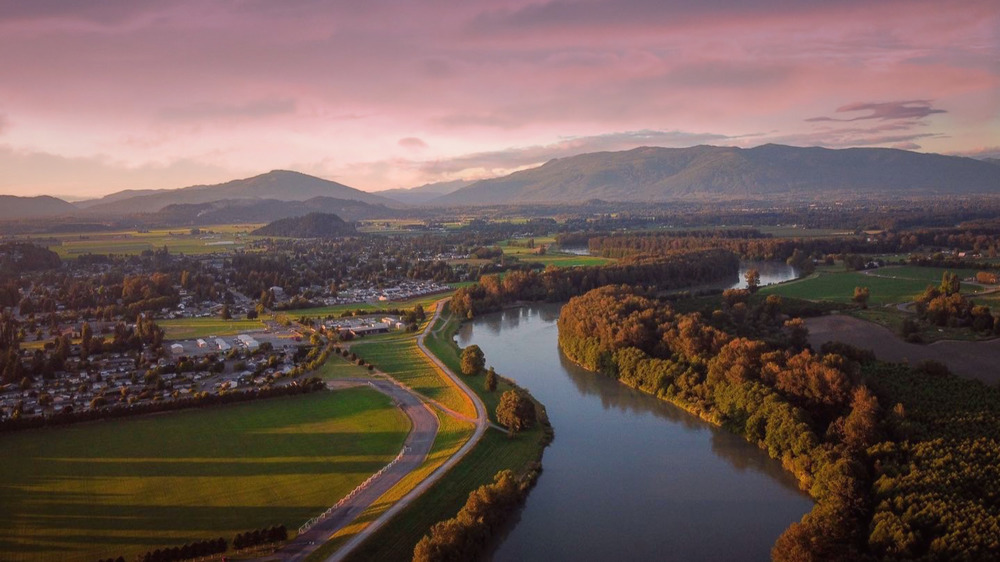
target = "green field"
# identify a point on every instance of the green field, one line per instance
(424, 300)
(888, 285)
(398, 355)
(191, 328)
(551, 257)
(105, 489)
(212, 239)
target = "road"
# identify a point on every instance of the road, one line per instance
(418, 443)
(482, 423)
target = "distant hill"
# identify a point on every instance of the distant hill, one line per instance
(13, 207)
(281, 185)
(424, 193)
(714, 173)
(994, 161)
(230, 211)
(313, 225)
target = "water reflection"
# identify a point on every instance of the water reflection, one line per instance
(630, 477)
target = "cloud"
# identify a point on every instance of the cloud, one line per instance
(215, 111)
(4, 123)
(912, 109)
(30, 172)
(412, 143)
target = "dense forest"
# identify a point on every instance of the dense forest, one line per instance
(672, 271)
(313, 225)
(845, 431)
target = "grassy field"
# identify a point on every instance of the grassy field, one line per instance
(211, 239)
(338, 367)
(452, 434)
(108, 489)
(551, 257)
(888, 285)
(190, 328)
(425, 300)
(398, 355)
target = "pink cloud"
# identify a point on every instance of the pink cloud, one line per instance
(271, 84)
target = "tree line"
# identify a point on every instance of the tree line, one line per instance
(676, 270)
(807, 409)
(472, 530)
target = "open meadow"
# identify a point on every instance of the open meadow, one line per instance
(520, 250)
(104, 489)
(888, 285)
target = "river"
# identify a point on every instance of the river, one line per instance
(628, 476)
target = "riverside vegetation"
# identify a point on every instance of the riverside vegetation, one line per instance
(892, 455)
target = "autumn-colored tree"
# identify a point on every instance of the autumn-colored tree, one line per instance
(752, 277)
(861, 295)
(491, 380)
(516, 411)
(473, 360)
(861, 425)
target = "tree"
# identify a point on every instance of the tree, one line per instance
(516, 411)
(861, 295)
(491, 380)
(950, 284)
(473, 360)
(225, 314)
(752, 277)
(861, 425)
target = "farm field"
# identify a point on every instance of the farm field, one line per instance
(551, 257)
(104, 489)
(190, 328)
(888, 285)
(211, 239)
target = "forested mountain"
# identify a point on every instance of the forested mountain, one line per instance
(313, 225)
(13, 207)
(261, 211)
(282, 185)
(424, 193)
(716, 173)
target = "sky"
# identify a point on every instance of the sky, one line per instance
(101, 96)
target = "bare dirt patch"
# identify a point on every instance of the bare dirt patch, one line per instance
(975, 360)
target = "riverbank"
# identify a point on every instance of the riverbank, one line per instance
(494, 452)
(630, 476)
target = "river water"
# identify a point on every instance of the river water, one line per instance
(628, 476)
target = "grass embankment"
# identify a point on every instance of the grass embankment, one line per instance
(191, 328)
(495, 452)
(108, 489)
(398, 355)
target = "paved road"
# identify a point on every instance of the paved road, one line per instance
(482, 423)
(418, 442)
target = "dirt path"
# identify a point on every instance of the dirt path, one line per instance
(415, 449)
(974, 360)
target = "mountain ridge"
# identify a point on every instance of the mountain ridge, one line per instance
(282, 185)
(707, 172)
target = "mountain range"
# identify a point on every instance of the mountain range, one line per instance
(424, 193)
(647, 174)
(283, 185)
(712, 172)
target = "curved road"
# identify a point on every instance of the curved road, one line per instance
(418, 443)
(482, 423)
